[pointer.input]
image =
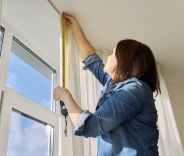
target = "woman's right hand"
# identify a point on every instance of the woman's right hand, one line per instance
(71, 20)
(84, 45)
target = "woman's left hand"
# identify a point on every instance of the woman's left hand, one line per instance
(61, 94)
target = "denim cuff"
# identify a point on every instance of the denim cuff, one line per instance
(80, 125)
(90, 60)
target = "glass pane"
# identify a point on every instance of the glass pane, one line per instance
(30, 76)
(28, 137)
(1, 38)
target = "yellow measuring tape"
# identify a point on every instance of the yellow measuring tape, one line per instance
(63, 66)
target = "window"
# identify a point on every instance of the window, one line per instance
(1, 38)
(29, 137)
(30, 76)
(30, 121)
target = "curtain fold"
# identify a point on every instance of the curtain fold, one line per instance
(85, 90)
(73, 84)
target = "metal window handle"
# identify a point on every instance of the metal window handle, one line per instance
(63, 108)
(1, 99)
(65, 113)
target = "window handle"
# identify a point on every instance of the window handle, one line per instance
(1, 99)
(65, 113)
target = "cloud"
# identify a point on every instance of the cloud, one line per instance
(12, 80)
(28, 137)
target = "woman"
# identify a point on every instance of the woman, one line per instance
(125, 118)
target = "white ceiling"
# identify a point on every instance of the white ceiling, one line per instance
(159, 24)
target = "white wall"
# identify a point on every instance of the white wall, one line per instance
(37, 22)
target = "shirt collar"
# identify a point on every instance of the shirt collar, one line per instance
(121, 83)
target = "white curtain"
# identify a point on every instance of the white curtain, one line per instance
(169, 139)
(90, 88)
(85, 89)
(73, 84)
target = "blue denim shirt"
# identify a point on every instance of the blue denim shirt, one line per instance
(125, 120)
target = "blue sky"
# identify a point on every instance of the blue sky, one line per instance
(28, 137)
(29, 82)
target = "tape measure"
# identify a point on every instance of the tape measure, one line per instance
(63, 67)
(63, 33)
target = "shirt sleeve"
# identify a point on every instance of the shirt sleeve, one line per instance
(116, 110)
(95, 64)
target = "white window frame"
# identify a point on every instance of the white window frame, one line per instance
(62, 146)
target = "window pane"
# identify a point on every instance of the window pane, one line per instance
(28, 137)
(30, 76)
(1, 38)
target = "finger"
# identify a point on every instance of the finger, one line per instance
(68, 22)
(62, 16)
(68, 17)
(64, 13)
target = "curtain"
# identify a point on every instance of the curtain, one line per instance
(90, 88)
(85, 90)
(73, 84)
(169, 139)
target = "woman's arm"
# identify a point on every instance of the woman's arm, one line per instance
(85, 46)
(93, 63)
(117, 109)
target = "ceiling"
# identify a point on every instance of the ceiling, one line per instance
(159, 24)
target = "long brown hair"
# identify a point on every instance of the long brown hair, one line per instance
(135, 59)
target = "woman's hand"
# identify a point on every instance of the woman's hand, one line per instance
(71, 20)
(61, 94)
(85, 46)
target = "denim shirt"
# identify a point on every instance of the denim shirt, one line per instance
(125, 120)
